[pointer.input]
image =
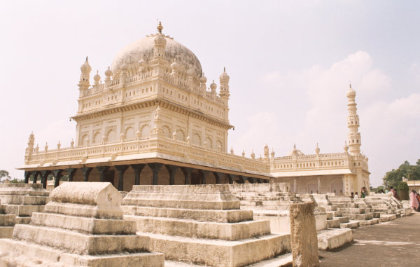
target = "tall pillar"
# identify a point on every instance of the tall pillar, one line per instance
(204, 176)
(102, 170)
(155, 168)
(137, 170)
(86, 171)
(294, 185)
(172, 171)
(230, 178)
(27, 175)
(187, 174)
(44, 176)
(218, 176)
(57, 176)
(319, 185)
(121, 169)
(35, 177)
(70, 172)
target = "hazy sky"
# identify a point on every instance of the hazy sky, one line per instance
(290, 64)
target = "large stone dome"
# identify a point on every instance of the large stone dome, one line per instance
(143, 50)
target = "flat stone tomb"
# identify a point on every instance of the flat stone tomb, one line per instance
(82, 225)
(23, 199)
(201, 224)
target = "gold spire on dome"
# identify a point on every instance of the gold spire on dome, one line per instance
(160, 27)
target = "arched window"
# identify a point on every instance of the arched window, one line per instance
(110, 136)
(209, 143)
(129, 134)
(219, 146)
(85, 140)
(180, 136)
(196, 139)
(97, 138)
(166, 131)
(145, 131)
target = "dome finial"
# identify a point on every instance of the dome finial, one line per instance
(160, 27)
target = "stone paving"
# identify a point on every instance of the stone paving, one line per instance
(394, 243)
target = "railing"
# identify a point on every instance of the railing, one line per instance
(174, 149)
(311, 162)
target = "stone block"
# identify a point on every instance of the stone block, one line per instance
(335, 238)
(103, 196)
(350, 224)
(334, 223)
(303, 234)
(219, 252)
(206, 230)
(222, 216)
(216, 197)
(6, 232)
(7, 219)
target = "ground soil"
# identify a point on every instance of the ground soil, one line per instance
(394, 243)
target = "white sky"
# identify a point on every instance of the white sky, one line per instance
(290, 64)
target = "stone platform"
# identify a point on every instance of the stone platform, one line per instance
(23, 199)
(201, 225)
(82, 226)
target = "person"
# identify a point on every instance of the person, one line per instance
(414, 202)
(394, 192)
(352, 195)
(356, 195)
(363, 192)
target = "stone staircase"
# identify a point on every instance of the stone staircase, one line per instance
(197, 225)
(7, 222)
(23, 199)
(82, 226)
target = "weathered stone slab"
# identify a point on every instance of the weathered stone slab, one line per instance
(303, 234)
(216, 197)
(102, 196)
(332, 239)
(93, 235)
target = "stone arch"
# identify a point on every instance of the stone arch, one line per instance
(129, 134)
(180, 135)
(110, 136)
(209, 143)
(84, 140)
(97, 138)
(144, 131)
(196, 139)
(166, 131)
(219, 146)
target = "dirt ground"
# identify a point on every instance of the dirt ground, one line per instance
(394, 243)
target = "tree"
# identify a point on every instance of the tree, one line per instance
(394, 177)
(4, 173)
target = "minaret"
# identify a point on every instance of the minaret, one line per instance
(224, 86)
(354, 139)
(84, 77)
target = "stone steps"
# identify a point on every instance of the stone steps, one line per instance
(36, 255)
(204, 215)
(229, 253)
(205, 230)
(334, 238)
(350, 224)
(6, 231)
(387, 217)
(334, 223)
(369, 222)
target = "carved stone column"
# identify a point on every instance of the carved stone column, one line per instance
(70, 172)
(35, 177)
(218, 176)
(137, 170)
(172, 171)
(121, 169)
(187, 174)
(27, 175)
(86, 171)
(57, 176)
(44, 176)
(155, 168)
(102, 170)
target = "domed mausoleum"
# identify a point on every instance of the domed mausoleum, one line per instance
(153, 119)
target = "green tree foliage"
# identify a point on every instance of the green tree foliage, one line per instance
(394, 177)
(4, 173)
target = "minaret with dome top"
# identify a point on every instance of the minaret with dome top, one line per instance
(354, 139)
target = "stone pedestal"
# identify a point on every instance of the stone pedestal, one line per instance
(82, 226)
(303, 235)
(201, 224)
(23, 199)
